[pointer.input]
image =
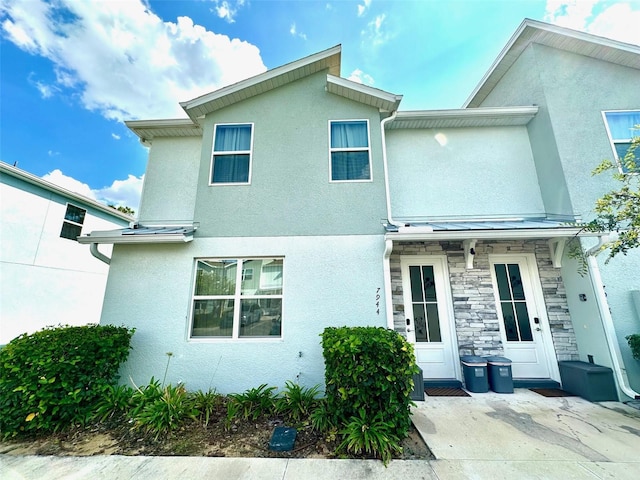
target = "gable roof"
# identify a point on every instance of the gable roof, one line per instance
(27, 177)
(532, 31)
(269, 80)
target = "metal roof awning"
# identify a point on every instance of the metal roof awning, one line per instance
(142, 234)
(471, 231)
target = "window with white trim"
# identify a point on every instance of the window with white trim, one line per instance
(229, 303)
(349, 150)
(231, 157)
(622, 127)
(73, 220)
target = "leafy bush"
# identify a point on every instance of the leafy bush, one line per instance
(114, 404)
(368, 376)
(206, 403)
(371, 436)
(297, 402)
(254, 402)
(634, 344)
(54, 377)
(167, 412)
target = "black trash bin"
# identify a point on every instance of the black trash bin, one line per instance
(475, 373)
(500, 376)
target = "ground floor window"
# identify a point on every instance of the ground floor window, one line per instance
(237, 298)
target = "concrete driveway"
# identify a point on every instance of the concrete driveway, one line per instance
(526, 435)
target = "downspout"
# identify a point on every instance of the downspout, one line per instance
(388, 244)
(93, 248)
(386, 168)
(607, 319)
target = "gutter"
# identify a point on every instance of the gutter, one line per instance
(607, 320)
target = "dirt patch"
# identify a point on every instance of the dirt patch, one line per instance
(243, 439)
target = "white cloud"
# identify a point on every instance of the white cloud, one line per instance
(616, 20)
(115, 136)
(119, 193)
(294, 31)
(364, 7)
(131, 64)
(360, 77)
(228, 10)
(375, 34)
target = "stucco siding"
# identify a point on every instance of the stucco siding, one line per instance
(462, 172)
(328, 281)
(290, 192)
(522, 85)
(170, 181)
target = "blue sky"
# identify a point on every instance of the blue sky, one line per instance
(73, 70)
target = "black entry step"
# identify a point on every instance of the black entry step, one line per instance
(535, 383)
(442, 382)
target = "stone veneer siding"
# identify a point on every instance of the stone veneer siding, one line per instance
(476, 319)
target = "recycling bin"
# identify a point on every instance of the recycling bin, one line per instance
(418, 386)
(500, 376)
(474, 369)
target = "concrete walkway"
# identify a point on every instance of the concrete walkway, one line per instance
(485, 436)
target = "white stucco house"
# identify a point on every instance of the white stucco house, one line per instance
(297, 200)
(46, 276)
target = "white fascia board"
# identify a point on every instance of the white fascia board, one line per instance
(52, 187)
(155, 238)
(162, 123)
(484, 112)
(514, 234)
(260, 78)
(517, 45)
(392, 99)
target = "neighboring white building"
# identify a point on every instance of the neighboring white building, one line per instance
(46, 276)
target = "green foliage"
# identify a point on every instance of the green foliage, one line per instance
(297, 402)
(619, 210)
(371, 436)
(253, 403)
(54, 377)
(167, 412)
(634, 344)
(114, 403)
(145, 395)
(369, 376)
(206, 403)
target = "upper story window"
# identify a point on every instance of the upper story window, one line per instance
(620, 127)
(72, 224)
(231, 159)
(350, 156)
(237, 298)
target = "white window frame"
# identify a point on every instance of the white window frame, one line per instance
(358, 149)
(237, 297)
(231, 152)
(613, 141)
(71, 222)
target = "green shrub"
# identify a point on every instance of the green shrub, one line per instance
(297, 402)
(115, 403)
(634, 344)
(369, 375)
(206, 403)
(253, 403)
(371, 436)
(163, 414)
(54, 377)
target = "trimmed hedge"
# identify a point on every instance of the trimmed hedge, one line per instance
(369, 375)
(53, 378)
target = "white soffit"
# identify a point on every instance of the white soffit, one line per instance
(326, 60)
(147, 130)
(532, 31)
(384, 101)
(477, 117)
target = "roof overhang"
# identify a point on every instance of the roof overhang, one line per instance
(532, 31)
(383, 101)
(143, 234)
(147, 130)
(456, 118)
(326, 60)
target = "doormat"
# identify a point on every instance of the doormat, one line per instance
(445, 392)
(551, 392)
